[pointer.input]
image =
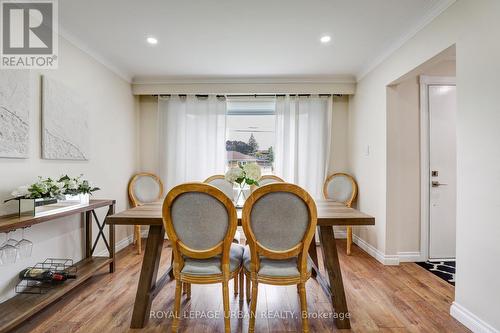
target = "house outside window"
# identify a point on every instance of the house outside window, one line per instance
(251, 132)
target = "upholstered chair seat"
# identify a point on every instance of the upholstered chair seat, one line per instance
(275, 268)
(213, 265)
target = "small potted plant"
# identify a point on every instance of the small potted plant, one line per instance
(242, 177)
(77, 189)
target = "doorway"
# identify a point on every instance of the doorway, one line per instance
(439, 166)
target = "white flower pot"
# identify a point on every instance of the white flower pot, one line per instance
(83, 198)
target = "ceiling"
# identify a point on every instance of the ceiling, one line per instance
(236, 38)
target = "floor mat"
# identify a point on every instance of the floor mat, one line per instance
(444, 269)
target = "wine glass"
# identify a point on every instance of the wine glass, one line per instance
(8, 252)
(25, 247)
(11, 241)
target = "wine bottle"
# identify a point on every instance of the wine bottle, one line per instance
(45, 275)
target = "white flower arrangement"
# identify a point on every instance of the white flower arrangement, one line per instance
(233, 174)
(50, 188)
(248, 174)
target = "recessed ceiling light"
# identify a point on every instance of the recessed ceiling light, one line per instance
(152, 40)
(325, 39)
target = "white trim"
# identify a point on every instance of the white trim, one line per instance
(409, 256)
(95, 55)
(246, 87)
(389, 260)
(437, 10)
(470, 320)
(437, 80)
(146, 80)
(340, 234)
(425, 82)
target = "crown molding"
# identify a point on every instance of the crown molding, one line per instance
(94, 55)
(179, 80)
(435, 11)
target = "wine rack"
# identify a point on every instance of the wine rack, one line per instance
(55, 265)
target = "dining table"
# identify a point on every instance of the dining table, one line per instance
(330, 213)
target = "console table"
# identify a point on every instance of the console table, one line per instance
(22, 306)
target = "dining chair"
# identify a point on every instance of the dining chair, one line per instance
(222, 184)
(200, 221)
(342, 187)
(143, 187)
(267, 179)
(279, 221)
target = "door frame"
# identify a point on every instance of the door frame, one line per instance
(425, 82)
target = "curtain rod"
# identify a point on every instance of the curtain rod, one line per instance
(252, 95)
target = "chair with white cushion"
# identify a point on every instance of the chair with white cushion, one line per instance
(342, 187)
(267, 179)
(222, 184)
(143, 188)
(279, 221)
(200, 222)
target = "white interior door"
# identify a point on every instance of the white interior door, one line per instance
(443, 170)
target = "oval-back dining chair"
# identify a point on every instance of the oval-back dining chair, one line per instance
(221, 183)
(267, 179)
(143, 187)
(226, 187)
(279, 221)
(200, 221)
(342, 187)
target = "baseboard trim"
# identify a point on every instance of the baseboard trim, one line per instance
(389, 260)
(409, 256)
(118, 246)
(340, 234)
(470, 320)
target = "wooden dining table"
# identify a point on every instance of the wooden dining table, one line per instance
(330, 214)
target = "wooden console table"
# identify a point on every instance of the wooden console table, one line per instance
(22, 306)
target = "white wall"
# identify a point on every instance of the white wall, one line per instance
(112, 157)
(474, 26)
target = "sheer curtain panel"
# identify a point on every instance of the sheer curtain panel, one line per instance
(191, 138)
(303, 135)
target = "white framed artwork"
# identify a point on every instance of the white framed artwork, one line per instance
(65, 124)
(15, 101)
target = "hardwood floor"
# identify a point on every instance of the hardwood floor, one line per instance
(403, 298)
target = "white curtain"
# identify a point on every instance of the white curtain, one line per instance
(191, 138)
(303, 135)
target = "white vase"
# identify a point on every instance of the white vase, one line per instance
(241, 193)
(82, 198)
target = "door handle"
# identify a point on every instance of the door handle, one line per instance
(435, 183)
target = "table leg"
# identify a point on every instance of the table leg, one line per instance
(170, 270)
(147, 280)
(112, 249)
(88, 234)
(331, 260)
(313, 254)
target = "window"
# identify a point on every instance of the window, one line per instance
(250, 132)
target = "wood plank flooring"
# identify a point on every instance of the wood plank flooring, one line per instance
(403, 298)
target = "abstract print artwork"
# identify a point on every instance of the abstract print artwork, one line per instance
(65, 124)
(15, 99)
